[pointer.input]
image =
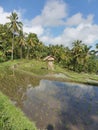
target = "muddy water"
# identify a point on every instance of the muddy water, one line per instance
(56, 105)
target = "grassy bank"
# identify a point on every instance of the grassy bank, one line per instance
(39, 69)
(20, 73)
(12, 118)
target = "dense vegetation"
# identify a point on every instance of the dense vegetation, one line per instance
(12, 118)
(15, 44)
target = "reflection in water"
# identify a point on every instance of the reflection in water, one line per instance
(65, 106)
(54, 105)
(50, 127)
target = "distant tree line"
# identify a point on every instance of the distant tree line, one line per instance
(16, 44)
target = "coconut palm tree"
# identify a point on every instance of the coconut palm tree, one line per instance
(14, 25)
(76, 50)
(32, 41)
(96, 51)
(85, 56)
(22, 43)
(30, 44)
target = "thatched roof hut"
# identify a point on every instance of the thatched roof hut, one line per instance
(50, 60)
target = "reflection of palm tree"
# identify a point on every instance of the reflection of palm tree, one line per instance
(14, 26)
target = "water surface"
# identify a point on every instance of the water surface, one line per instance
(56, 105)
(62, 106)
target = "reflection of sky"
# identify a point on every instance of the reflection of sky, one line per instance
(53, 91)
(79, 90)
(54, 98)
(44, 91)
(44, 84)
(76, 90)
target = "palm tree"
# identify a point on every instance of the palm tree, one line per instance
(76, 52)
(68, 57)
(30, 44)
(94, 52)
(85, 55)
(96, 48)
(22, 43)
(32, 41)
(4, 39)
(14, 25)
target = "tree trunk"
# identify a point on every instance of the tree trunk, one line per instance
(28, 53)
(21, 52)
(12, 48)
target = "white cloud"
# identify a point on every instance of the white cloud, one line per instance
(3, 16)
(34, 29)
(52, 15)
(78, 19)
(78, 26)
(85, 32)
(88, 33)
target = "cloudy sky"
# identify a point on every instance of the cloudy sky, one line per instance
(56, 21)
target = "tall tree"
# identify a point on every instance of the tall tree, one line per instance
(5, 40)
(32, 41)
(22, 43)
(76, 52)
(96, 51)
(14, 25)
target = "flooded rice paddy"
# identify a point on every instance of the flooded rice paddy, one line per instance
(54, 105)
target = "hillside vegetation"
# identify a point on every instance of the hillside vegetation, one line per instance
(39, 68)
(16, 44)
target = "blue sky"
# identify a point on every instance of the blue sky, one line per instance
(56, 21)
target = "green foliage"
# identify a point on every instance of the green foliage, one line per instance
(28, 46)
(12, 118)
(92, 65)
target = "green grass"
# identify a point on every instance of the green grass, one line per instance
(29, 72)
(11, 118)
(39, 68)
